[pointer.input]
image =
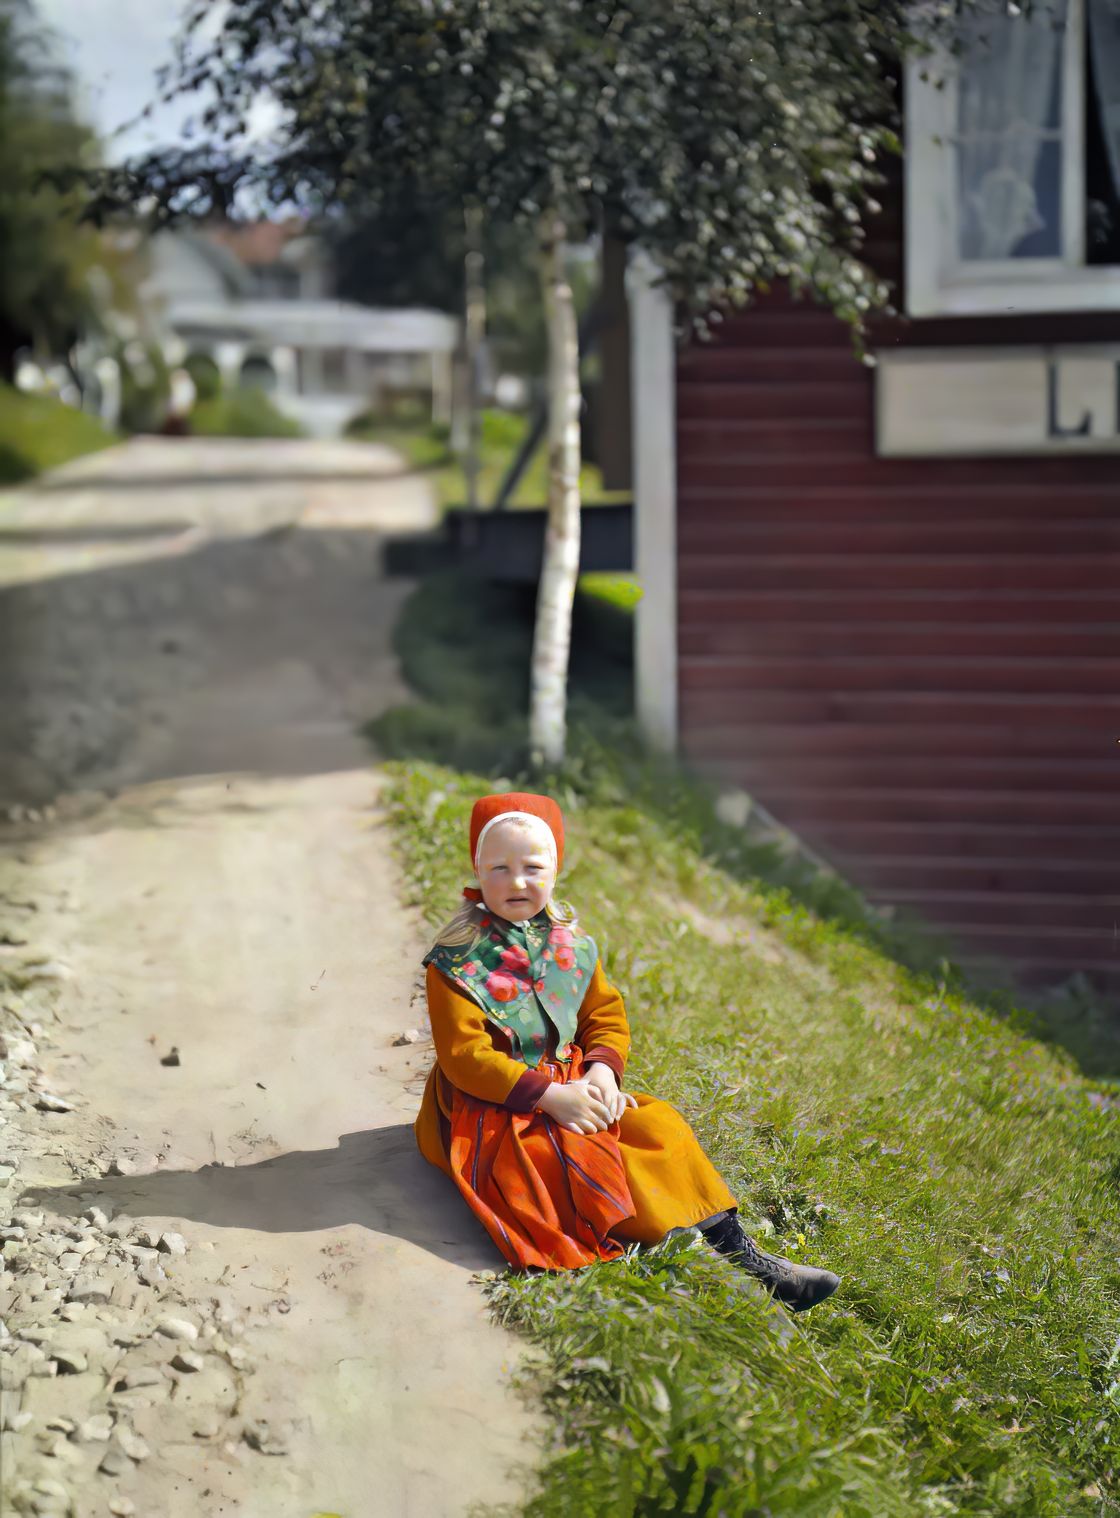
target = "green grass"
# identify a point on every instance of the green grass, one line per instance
(427, 447)
(472, 708)
(244, 412)
(38, 433)
(424, 445)
(618, 590)
(954, 1167)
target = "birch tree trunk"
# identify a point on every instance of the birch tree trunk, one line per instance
(553, 632)
(474, 333)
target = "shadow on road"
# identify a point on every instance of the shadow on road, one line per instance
(184, 657)
(117, 532)
(171, 479)
(376, 1179)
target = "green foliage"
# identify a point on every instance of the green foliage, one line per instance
(404, 253)
(737, 145)
(38, 432)
(205, 374)
(145, 385)
(619, 590)
(425, 447)
(515, 324)
(501, 431)
(55, 274)
(428, 447)
(408, 405)
(244, 412)
(467, 655)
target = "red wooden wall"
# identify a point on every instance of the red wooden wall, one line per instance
(914, 663)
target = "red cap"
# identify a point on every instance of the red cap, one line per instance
(487, 808)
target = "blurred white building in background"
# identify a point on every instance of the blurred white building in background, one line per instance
(257, 300)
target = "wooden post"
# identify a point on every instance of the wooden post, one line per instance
(613, 443)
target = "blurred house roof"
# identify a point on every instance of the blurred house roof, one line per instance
(234, 275)
(259, 243)
(216, 284)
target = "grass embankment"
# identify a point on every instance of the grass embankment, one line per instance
(958, 1173)
(428, 447)
(38, 432)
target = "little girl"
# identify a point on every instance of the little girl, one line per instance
(524, 1107)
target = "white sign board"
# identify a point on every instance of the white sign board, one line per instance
(932, 401)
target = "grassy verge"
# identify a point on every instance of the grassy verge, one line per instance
(958, 1172)
(245, 412)
(618, 590)
(38, 433)
(424, 445)
(428, 447)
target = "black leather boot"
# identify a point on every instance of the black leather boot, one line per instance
(797, 1286)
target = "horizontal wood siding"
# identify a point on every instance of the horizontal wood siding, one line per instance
(913, 663)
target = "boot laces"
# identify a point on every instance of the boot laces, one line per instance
(768, 1266)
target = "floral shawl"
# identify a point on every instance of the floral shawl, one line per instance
(524, 976)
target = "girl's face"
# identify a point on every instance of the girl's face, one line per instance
(516, 872)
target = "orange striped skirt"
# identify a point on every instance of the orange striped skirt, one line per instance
(546, 1196)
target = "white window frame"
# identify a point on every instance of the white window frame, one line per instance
(938, 281)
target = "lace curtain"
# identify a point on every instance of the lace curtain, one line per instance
(1009, 132)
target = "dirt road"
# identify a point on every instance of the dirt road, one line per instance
(231, 1285)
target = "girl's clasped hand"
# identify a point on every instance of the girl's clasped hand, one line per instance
(585, 1105)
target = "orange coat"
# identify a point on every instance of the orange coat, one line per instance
(635, 1181)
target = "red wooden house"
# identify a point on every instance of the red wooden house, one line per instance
(885, 600)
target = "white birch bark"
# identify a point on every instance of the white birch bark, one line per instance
(553, 632)
(474, 333)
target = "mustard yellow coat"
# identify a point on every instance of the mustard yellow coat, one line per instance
(672, 1181)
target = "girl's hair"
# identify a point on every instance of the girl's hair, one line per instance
(466, 926)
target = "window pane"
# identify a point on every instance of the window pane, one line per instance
(1102, 134)
(1009, 115)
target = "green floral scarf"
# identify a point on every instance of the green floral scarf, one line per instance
(524, 976)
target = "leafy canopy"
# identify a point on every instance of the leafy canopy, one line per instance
(734, 142)
(53, 275)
